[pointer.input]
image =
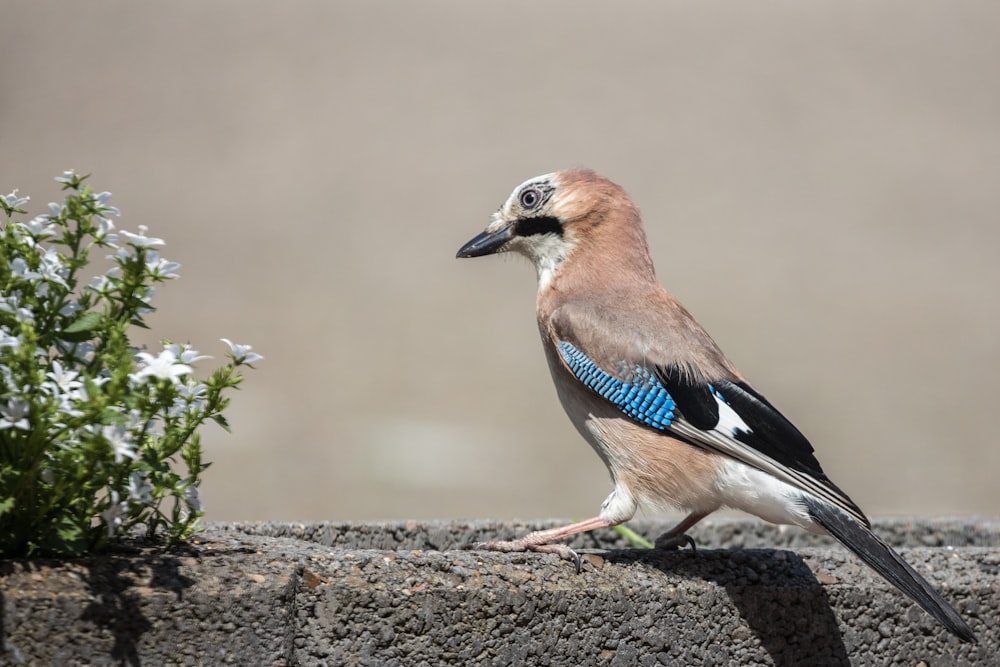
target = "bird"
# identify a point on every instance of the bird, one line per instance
(674, 421)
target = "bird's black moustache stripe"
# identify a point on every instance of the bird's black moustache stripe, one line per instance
(540, 225)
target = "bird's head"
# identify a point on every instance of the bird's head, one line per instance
(550, 218)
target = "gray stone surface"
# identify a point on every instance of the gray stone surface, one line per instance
(228, 600)
(409, 593)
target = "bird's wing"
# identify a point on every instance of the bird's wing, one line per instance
(708, 408)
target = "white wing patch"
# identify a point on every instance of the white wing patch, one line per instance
(729, 422)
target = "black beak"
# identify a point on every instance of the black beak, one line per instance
(487, 243)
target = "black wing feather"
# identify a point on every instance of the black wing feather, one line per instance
(693, 399)
(770, 432)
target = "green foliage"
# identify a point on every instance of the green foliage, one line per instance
(97, 439)
(635, 540)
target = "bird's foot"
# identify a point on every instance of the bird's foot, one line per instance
(670, 541)
(524, 544)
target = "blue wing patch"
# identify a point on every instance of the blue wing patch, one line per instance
(642, 397)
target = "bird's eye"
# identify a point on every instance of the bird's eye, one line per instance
(530, 198)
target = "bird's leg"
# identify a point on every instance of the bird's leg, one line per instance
(541, 540)
(676, 537)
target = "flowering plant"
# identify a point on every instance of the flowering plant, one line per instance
(97, 439)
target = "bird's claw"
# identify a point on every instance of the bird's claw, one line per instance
(668, 542)
(514, 546)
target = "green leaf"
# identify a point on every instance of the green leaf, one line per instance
(221, 421)
(83, 328)
(636, 540)
(65, 537)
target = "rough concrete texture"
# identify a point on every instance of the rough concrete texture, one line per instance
(229, 599)
(410, 594)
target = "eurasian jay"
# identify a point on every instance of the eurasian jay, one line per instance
(673, 420)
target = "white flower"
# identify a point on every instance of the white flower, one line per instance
(39, 227)
(189, 396)
(185, 353)
(67, 177)
(140, 240)
(145, 296)
(122, 446)
(159, 267)
(139, 489)
(19, 268)
(113, 515)
(64, 386)
(12, 304)
(164, 366)
(101, 200)
(100, 284)
(191, 497)
(15, 415)
(55, 210)
(6, 340)
(53, 268)
(71, 308)
(193, 391)
(67, 403)
(241, 353)
(103, 233)
(81, 394)
(65, 381)
(13, 201)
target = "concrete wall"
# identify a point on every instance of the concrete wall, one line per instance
(410, 594)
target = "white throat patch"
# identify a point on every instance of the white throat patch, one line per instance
(548, 252)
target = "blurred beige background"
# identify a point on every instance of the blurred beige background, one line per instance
(820, 183)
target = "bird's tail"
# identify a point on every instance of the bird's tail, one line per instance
(884, 560)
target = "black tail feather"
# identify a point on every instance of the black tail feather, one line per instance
(884, 560)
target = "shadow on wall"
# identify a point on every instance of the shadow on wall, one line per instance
(116, 585)
(792, 618)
